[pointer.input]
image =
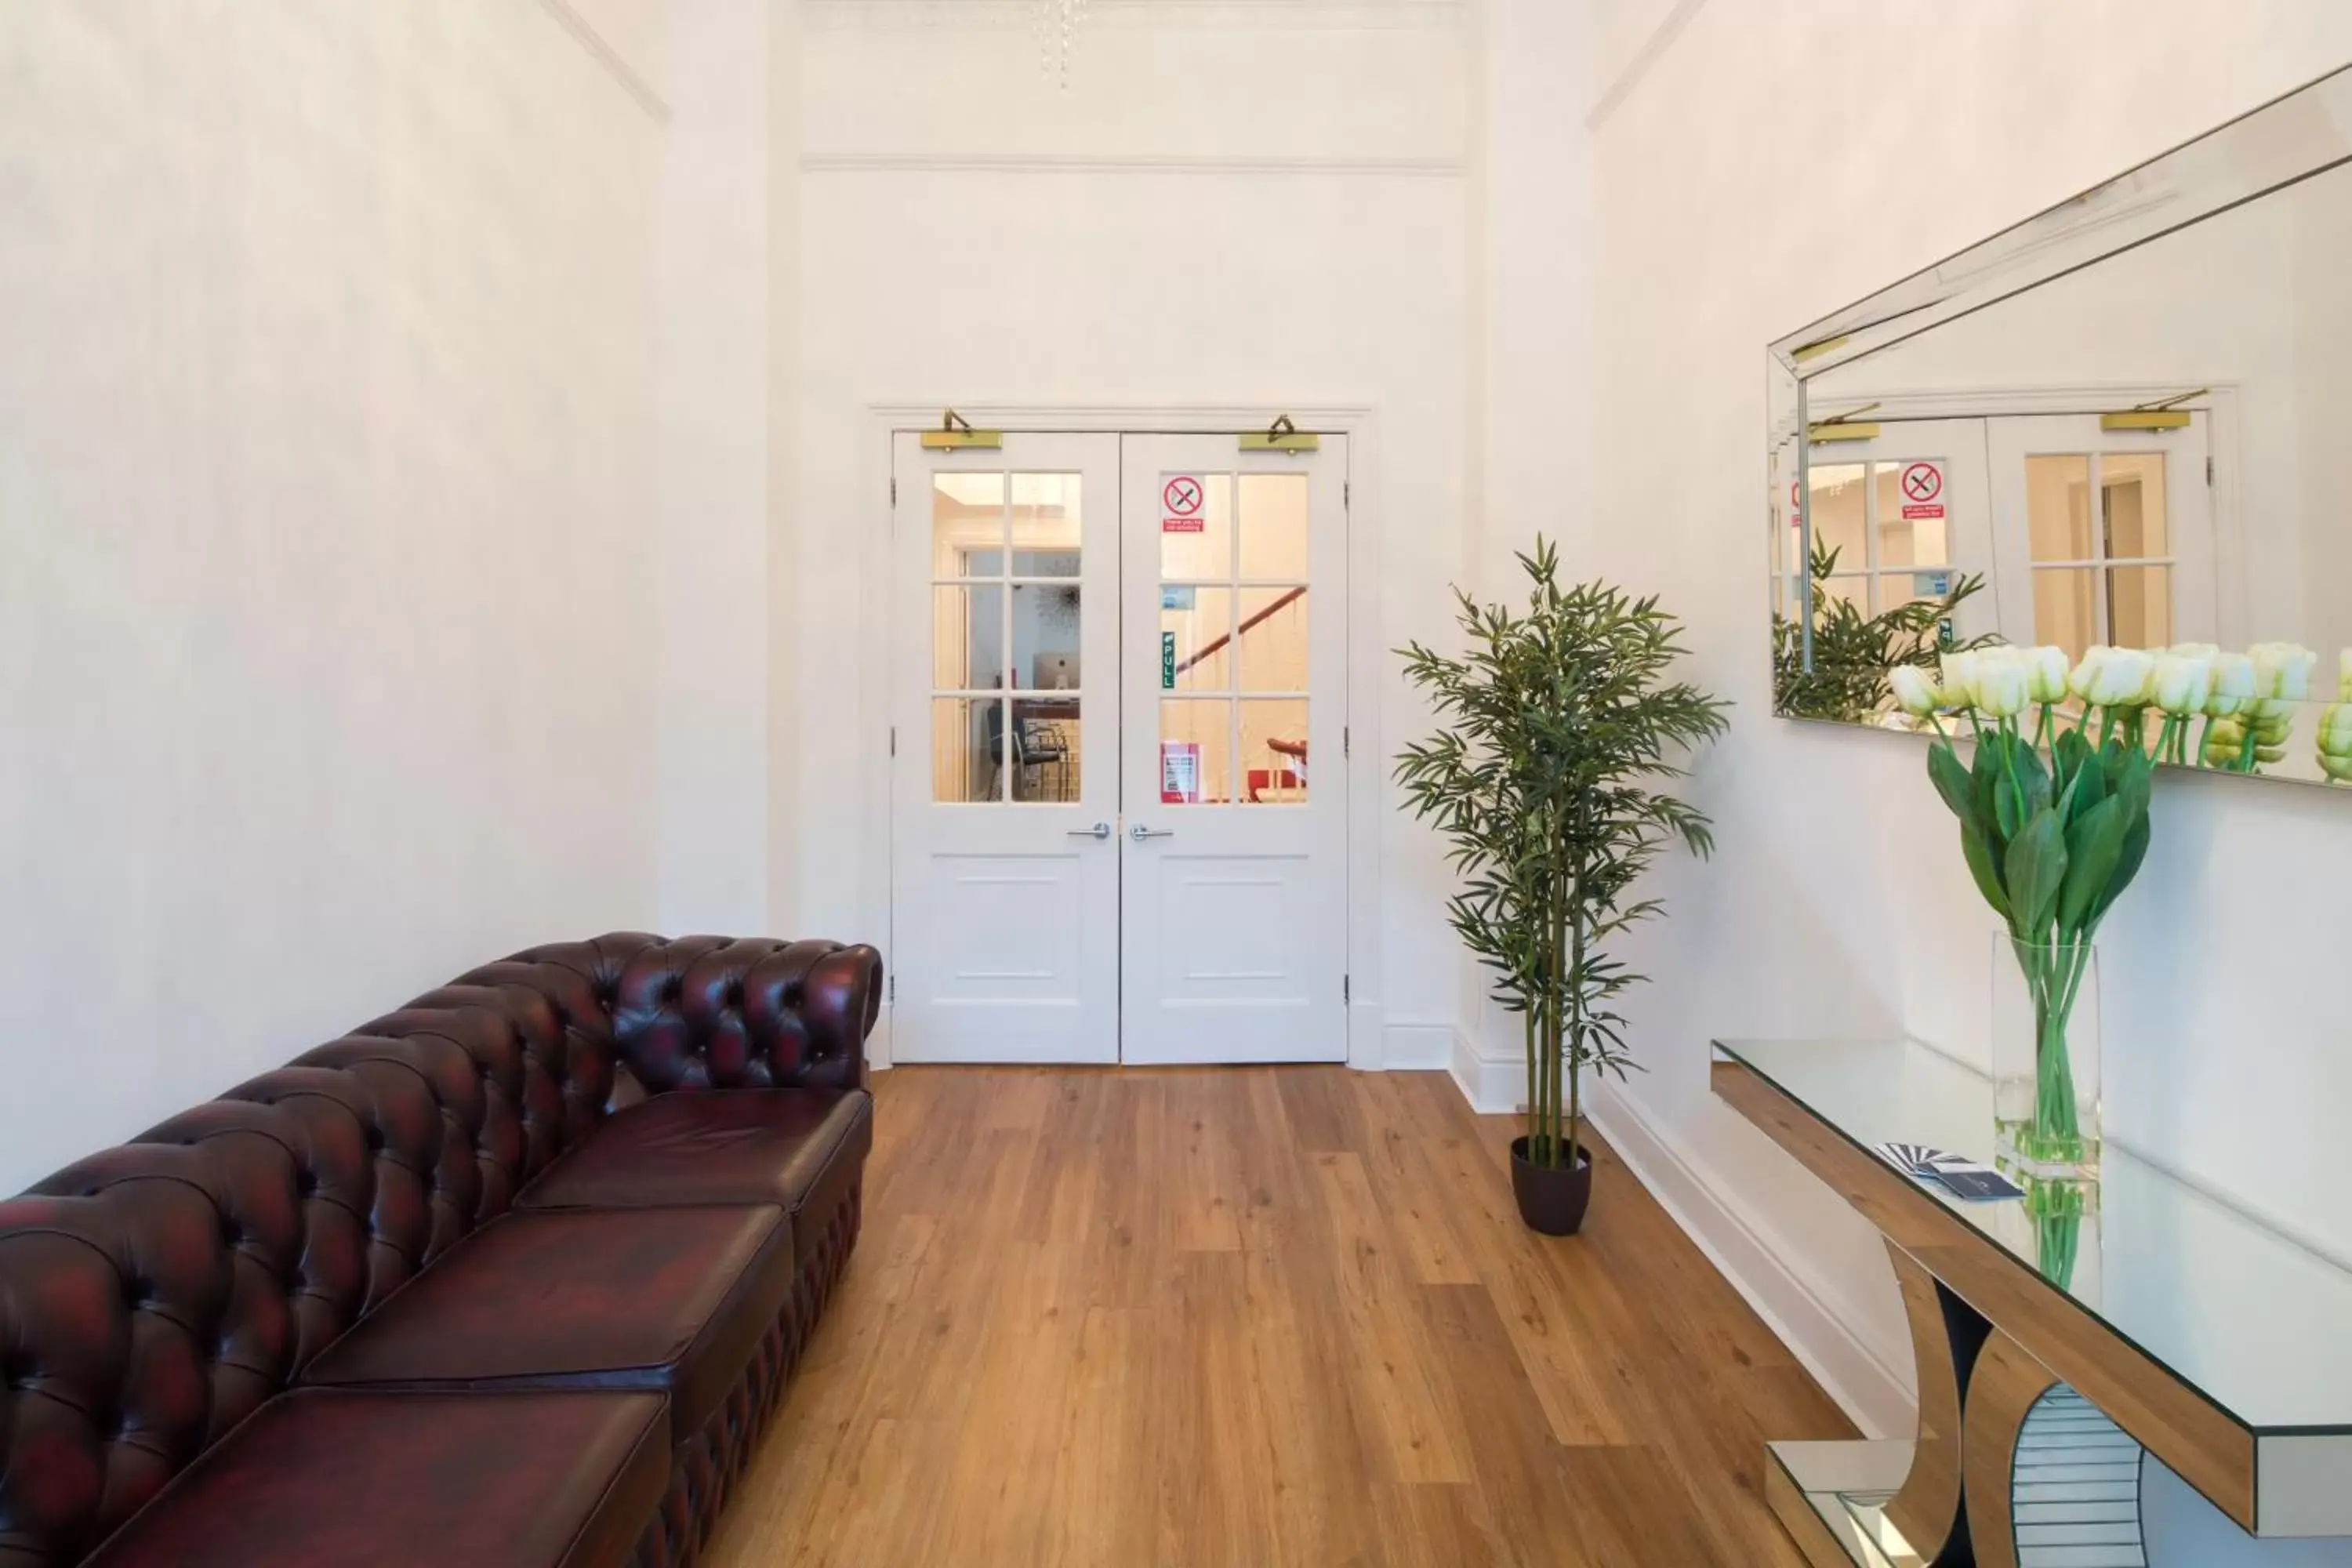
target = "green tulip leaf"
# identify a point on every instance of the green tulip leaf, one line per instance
(1952, 781)
(2127, 864)
(2036, 865)
(1983, 868)
(2094, 845)
(1986, 777)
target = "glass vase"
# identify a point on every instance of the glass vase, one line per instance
(2045, 1058)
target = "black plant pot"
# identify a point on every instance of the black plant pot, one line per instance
(1551, 1201)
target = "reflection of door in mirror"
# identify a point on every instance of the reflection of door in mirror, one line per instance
(2103, 536)
(1906, 512)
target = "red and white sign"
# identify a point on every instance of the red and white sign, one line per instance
(1923, 492)
(1796, 506)
(1180, 772)
(1182, 500)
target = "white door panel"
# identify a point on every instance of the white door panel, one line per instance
(1005, 900)
(1235, 890)
(2136, 567)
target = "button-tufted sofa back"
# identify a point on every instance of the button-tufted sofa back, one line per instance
(154, 1295)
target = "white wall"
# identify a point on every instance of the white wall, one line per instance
(326, 587)
(1257, 206)
(1770, 164)
(709, 724)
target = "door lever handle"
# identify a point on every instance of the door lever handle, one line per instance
(1100, 830)
(1140, 833)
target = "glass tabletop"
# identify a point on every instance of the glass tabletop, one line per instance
(2257, 1323)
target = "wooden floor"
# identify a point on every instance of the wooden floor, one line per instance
(1250, 1317)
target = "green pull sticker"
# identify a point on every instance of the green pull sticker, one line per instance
(1166, 661)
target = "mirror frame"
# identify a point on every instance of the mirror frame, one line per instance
(2294, 137)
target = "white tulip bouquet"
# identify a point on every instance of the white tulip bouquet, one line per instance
(2051, 844)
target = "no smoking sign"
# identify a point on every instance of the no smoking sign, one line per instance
(1182, 497)
(1923, 492)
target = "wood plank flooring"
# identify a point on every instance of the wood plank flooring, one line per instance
(1256, 1317)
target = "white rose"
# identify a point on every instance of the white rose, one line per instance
(2124, 678)
(1913, 692)
(2233, 684)
(2088, 671)
(2182, 684)
(2049, 674)
(2004, 683)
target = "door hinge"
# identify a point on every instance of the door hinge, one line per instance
(894, 490)
(1343, 987)
(894, 739)
(1347, 493)
(1347, 742)
(2209, 470)
(893, 987)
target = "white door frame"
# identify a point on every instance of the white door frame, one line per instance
(1366, 654)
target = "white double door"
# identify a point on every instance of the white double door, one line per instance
(1119, 710)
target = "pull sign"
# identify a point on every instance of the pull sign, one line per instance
(1166, 661)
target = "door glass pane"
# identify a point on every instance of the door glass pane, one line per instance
(1045, 749)
(1273, 640)
(1274, 752)
(1911, 531)
(1201, 620)
(1854, 591)
(2140, 606)
(967, 525)
(2063, 610)
(2131, 501)
(1837, 513)
(962, 731)
(1196, 529)
(1045, 617)
(1047, 525)
(1274, 526)
(968, 636)
(1195, 740)
(2058, 507)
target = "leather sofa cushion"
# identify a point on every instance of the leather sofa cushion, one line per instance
(712, 1146)
(654, 1299)
(368, 1479)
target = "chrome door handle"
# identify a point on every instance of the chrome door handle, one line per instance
(1140, 833)
(1100, 830)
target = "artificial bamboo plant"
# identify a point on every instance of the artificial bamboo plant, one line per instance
(1556, 724)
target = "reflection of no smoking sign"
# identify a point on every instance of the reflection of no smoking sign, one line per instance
(1923, 492)
(1181, 500)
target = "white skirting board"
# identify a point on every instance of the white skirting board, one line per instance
(1796, 1306)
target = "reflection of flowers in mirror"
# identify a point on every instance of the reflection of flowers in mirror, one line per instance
(2336, 736)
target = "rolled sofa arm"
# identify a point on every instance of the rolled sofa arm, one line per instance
(714, 1011)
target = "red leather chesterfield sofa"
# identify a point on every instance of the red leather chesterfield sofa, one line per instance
(514, 1275)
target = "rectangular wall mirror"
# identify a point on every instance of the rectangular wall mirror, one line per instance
(2126, 423)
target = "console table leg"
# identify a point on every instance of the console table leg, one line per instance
(1946, 1334)
(2029, 1433)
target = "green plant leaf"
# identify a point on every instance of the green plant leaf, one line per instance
(1986, 776)
(2127, 865)
(1952, 781)
(2094, 845)
(1983, 868)
(2036, 866)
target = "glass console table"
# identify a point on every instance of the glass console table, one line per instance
(2055, 1336)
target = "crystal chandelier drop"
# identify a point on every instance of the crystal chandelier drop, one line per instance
(1058, 29)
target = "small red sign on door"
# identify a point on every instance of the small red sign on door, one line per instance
(1923, 492)
(1182, 498)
